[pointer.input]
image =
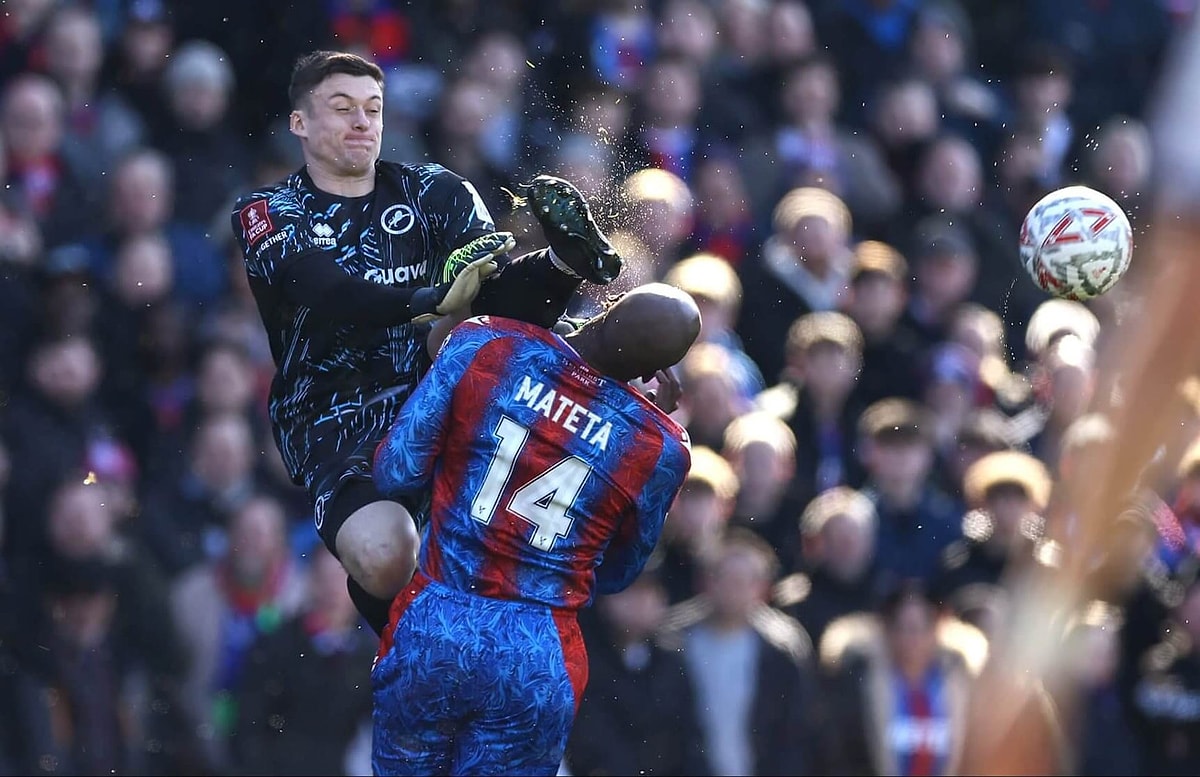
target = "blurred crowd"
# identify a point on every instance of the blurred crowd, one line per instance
(881, 402)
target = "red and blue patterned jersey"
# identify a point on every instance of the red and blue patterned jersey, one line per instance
(549, 480)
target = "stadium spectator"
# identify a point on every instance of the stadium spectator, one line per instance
(303, 706)
(917, 521)
(837, 531)
(223, 608)
(804, 267)
(751, 666)
(638, 714)
(696, 522)
(899, 685)
(762, 451)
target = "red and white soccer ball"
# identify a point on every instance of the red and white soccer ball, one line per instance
(1076, 243)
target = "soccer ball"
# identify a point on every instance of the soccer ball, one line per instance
(1076, 243)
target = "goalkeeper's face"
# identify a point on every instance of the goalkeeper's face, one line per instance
(340, 125)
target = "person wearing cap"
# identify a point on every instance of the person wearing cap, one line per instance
(821, 406)
(877, 299)
(945, 267)
(715, 286)
(1007, 493)
(804, 268)
(917, 520)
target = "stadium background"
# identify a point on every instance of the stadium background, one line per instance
(164, 607)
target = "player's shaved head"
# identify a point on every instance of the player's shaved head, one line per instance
(646, 330)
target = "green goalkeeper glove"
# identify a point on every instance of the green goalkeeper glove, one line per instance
(463, 275)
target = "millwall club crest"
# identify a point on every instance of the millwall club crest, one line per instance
(398, 219)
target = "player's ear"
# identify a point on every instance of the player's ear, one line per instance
(296, 124)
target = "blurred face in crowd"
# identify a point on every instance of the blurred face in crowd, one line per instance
(721, 193)
(898, 465)
(975, 334)
(146, 47)
(144, 273)
(257, 540)
(635, 613)
(817, 243)
(74, 47)
(951, 399)
(466, 108)
(602, 113)
(340, 125)
(698, 513)
(32, 119)
(80, 521)
(1042, 95)
(846, 547)
(743, 28)
(66, 372)
(907, 113)
(662, 224)
(736, 584)
(945, 279)
(912, 636)
(688, 29)
(712, 403)
(938, 51)
(222, 452)
(1122, 159)
(763, 474)
(1009, 507)
(830, 371)
(200, 103)
(672, 95)
(876, 302)
(810, 95)
(498, 61)
(790, 32)
(950, 176)
(225, 382)
(141, 194)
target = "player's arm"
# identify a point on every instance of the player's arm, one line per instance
(642, 525)
(278, 250)
(405, 460)
(317, 282)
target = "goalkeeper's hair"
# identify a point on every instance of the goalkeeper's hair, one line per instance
(312, 69)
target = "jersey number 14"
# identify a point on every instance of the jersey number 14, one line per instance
(544, 501)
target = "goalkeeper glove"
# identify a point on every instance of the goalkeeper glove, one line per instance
(463, 275)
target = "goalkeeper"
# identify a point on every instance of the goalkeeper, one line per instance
(349, 259)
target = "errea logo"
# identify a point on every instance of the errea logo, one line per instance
(323, 235)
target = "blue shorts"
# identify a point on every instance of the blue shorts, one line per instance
(468, 685)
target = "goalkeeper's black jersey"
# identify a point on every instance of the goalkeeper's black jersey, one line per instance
(398, 235)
